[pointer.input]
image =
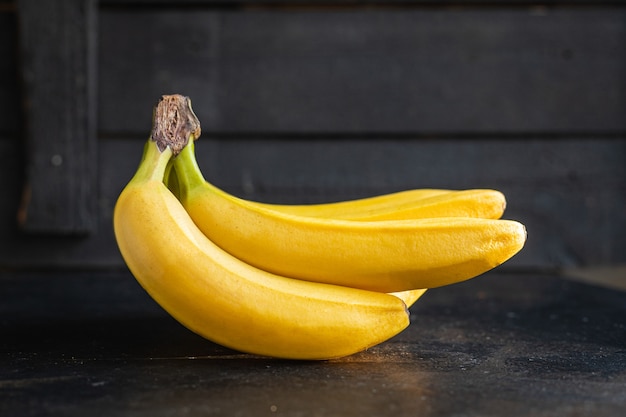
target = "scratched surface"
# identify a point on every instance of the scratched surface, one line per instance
(76, 344)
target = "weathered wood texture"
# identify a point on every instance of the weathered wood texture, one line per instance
(371, 71)
(9, 102)
(57, 49)
(309, 105)
(568, 192)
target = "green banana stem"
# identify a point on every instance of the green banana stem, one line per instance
(188, 173)
(171, 179)
(153, 163)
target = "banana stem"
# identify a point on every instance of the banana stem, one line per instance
(154, 163)
(170, 179)
(188, 172)
(174, 123)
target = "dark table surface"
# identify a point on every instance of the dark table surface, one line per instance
(94, 344)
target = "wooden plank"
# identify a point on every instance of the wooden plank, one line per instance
(57, 42)
(11, 173)
(569, 193)
(407, 71)
(43, 251)
(278, 167)
(9, 114)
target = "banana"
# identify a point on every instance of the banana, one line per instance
(397, 205)
(410, 296)
(386, 256)
(403, 205)
(228, 301)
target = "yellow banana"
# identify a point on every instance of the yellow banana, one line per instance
(403, 205)
(398, 205)
(228, 301)
(409, 296)
(386, 256)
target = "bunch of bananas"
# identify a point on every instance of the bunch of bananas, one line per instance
(294, 281)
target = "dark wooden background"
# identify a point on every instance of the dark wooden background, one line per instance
(317, 101)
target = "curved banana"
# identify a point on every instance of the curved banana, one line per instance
(401, 205)
(386, 256)
(404, 205)
(230, 302)
(398, 205)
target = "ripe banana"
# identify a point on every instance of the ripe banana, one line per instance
(398, 205)
(386, 256)
(228, 301)
(401, 205)
(404, 205)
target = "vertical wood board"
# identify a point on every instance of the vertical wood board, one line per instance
(57, 49)
(9, 94)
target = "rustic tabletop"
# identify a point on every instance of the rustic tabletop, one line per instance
(83, 343)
